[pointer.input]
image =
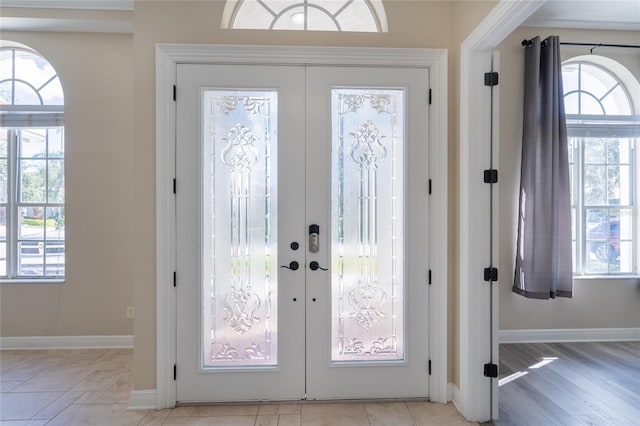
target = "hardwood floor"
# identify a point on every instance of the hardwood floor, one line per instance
(569, 384)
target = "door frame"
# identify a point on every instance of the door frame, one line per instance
(168, 56)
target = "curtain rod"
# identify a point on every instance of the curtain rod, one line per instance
(593, 45)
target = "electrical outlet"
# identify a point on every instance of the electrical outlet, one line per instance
(131, 312)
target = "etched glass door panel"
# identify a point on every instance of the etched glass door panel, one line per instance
(367, 223)
(239, 228)
(239, 205)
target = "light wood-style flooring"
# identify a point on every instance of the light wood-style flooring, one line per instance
(92, 387)
(570, 384)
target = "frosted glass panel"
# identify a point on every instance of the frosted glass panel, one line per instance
(239, 279)
(367, 224)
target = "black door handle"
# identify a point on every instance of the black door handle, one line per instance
(293, 266)
(315, 266)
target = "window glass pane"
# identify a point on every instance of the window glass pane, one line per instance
(572, 103)
(6, 90)
(239, 230)
(595, 185)
(55, 142)
(595, 151)
(3, 258)
(31, 258)
(32, 181)
(357, 17)
(32, 223)
(6, 71)
(52, 93)
(318, 20)
(33, 68)
(590, 105)
(367, 226)
(596, 80)
(55, 187)
(292, 19)
(251, 14)
(570, 73)
(3, 166)
(33, 143)
(25, 94)
(55, 223)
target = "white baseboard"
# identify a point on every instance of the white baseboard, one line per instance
(66, 342)
(570, 335)
(143, 400)
(454, 395)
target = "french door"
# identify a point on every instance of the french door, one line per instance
(302, 232)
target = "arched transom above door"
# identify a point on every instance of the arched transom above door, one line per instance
(311, 15)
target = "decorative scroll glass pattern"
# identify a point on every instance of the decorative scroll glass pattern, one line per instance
(239, 279)
(367, 225)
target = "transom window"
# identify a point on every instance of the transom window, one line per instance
(311, 15)
(32, 213)
(602, 129)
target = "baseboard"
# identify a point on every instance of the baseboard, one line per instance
(143, 400)
(454, 395)
(66, 342)
(570, 335)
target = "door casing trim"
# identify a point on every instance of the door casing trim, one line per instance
(168, 56)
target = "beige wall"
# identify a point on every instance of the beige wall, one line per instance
(596, 303)
(111, 168)
(96, 72)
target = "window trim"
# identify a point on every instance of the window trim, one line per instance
(14, 119)
(582, 126)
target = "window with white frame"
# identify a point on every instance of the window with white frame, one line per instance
(32, 147)
(305, 15)
(603, 129)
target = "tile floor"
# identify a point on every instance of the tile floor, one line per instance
(91, 387)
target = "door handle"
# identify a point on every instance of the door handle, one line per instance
(315, 266)
(293, 266)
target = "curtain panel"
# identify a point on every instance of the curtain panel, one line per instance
(544, 253)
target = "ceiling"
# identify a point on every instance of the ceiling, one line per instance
(601, 15)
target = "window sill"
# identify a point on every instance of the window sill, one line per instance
(32, 280)
(606, 277)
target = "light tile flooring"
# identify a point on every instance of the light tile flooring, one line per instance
(92, 387)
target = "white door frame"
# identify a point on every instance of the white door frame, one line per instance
(476, 342)
(167, 58)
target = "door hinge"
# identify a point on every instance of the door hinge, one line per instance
(491, 176)
(174, 278)
(174, 92)
(430, 97)
(429, 367)
(429, 276)
(491, 274)
(490, 78)
(174, 186)
(175, 368)
(430, 187)
(490, 370)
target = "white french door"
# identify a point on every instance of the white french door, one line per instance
(302, 232)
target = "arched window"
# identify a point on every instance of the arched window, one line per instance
(312, 15)
(32, 216)
(603, 127)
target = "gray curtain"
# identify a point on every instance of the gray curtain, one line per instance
(544, 259)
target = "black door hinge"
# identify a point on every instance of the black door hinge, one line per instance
(429, 367)
(174, 92)
(174, 371)
(490, 78)
(429, 96)
(490, 370)
(174, 186)
(429, 276)
(491, 274)
(430, 186)
(491, 176)
(174, 278)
